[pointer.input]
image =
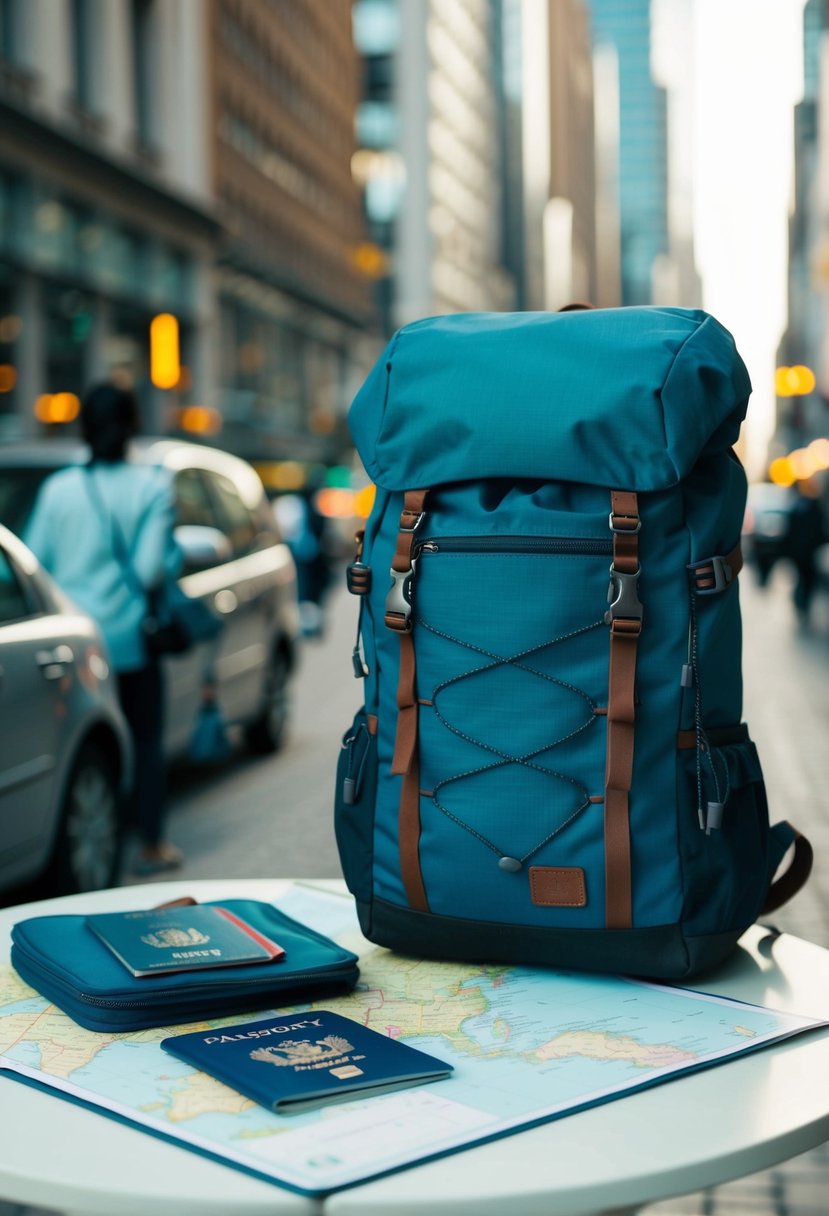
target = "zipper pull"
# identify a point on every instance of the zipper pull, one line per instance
(713, 820)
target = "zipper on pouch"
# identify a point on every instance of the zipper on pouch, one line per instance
(562, 545)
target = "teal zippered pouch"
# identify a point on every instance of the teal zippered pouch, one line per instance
(64, 960)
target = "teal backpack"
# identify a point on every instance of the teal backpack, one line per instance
(550, 766)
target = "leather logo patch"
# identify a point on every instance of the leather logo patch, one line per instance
(557, 886)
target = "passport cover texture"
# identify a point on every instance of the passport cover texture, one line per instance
(161, 940)
(294, 1062)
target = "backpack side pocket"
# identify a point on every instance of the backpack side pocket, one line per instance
(725, 848)
(354, 800)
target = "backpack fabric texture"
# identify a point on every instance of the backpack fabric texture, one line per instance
(550, 766)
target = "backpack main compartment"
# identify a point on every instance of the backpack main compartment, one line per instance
(560, 508)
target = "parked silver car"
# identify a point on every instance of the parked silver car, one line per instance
(64, 747)
(235, 561)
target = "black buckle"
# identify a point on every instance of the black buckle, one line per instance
(399, 600)
(358, 578)
(623, 597)
(718, 568)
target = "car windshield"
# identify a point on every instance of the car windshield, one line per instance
(18, 491)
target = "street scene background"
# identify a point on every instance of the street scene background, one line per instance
(228, 206)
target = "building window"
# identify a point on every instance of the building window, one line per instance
(144, 69)
(84, 57)
(10, 30)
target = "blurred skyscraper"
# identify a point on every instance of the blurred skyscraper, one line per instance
(477, 155)
(190, 158)
(294, 301)
(105, 200)
(558, 162)
(643, 169)
(802, 417)
(431, 154)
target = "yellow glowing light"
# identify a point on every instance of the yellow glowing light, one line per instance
(281, 474)
(819, 450)
(802, 463)
(165, 364)
(794, 381)
(370, 260)
(335, 503)
(200, 419)
(781, 472)
(8, 377)
(57, 408)
(364, 501)
(806, 379)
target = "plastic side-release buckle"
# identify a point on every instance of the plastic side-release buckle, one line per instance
(712, 575)
(623, 597)
(399, 600)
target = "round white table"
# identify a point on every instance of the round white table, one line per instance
(697, 1131)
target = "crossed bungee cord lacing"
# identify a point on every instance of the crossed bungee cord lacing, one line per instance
(527, 759)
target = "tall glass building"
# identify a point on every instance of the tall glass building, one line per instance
(643, 187)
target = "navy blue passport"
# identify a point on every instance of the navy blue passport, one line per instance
(298, 1061)
(188, 938)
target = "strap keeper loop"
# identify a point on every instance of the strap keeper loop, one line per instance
(624, 523)
(419, 518)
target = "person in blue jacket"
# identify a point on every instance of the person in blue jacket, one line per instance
(87, 522)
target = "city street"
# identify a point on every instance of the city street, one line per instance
(260, 817)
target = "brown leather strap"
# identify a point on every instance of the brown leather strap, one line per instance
(409, 838)
(790, 882)
(405, 761)
(625, 620)
(398, 614)
(405, 740)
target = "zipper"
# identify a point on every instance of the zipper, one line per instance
(205, 990)
(185, 997)
(578, 545)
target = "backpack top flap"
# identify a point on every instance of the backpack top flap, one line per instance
(626, 397)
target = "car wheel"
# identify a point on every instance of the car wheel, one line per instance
(267, 732)
(88, 847)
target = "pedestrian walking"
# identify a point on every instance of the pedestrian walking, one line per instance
(104, 531)
(807, 532)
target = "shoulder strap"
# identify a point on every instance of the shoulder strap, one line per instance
(799, 869)
(119, 545)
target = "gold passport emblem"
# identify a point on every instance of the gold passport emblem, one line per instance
(303, 1053)
(175, 937)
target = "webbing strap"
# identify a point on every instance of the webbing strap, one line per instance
(621, 707)
(792, 879)
(405, 760)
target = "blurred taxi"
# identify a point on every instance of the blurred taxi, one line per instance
(234, 560)
(64, 748)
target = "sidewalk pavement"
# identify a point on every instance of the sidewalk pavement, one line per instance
(786, 705)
